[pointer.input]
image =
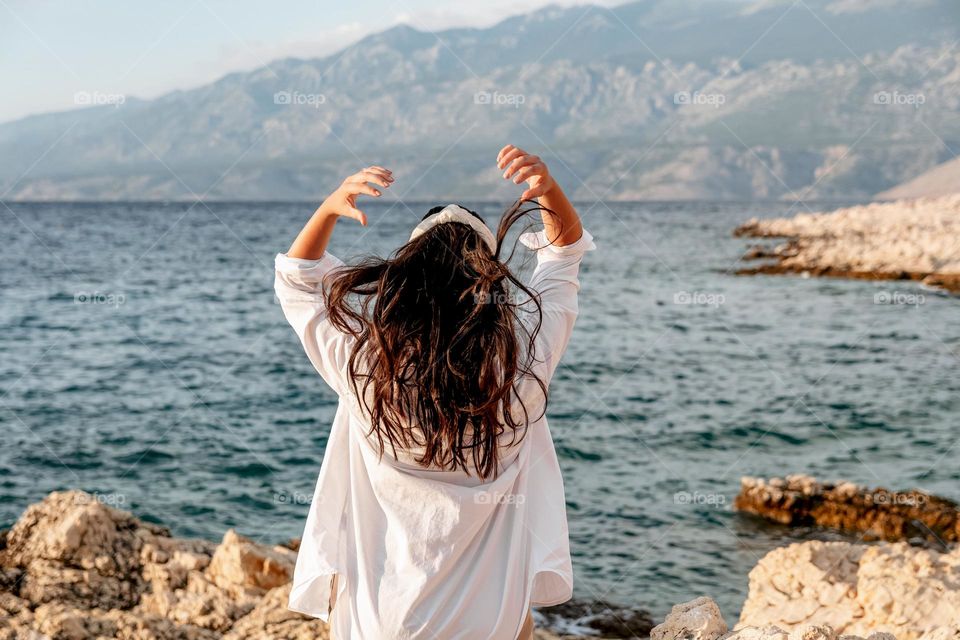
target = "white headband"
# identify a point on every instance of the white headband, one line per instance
(456, 213)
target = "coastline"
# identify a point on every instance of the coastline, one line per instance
(915, 240)
(73, 568)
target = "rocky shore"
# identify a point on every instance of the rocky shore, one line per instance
(72, 568)
(911, 593)
(876, 514)
(902, 240)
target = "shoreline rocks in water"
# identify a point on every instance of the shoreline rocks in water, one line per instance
(599, 619)
(902, 240)
(72, 568)
(878, 514)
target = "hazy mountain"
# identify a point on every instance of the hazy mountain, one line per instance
(942, 180)
(655, 99)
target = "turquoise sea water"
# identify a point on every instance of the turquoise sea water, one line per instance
(144, 359)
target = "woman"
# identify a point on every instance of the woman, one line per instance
(439, 510)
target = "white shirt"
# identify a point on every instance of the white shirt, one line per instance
(423, 552)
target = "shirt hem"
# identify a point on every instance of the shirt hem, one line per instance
(565, 595)
(321, 611)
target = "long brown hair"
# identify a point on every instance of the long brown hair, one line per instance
(441, 345)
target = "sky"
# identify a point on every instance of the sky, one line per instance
(51, 50)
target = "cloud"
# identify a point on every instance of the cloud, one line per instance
(863, 6)
(482, 14)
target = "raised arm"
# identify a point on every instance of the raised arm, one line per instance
(562, 229)
(302, 271)
(560, 247)
(312, 241)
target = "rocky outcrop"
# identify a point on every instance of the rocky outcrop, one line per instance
(73, 568)
(912, 593)
(878, 514)
(700, 619)
(902, 240)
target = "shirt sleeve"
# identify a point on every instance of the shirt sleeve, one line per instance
(555, 280)
(299, 288)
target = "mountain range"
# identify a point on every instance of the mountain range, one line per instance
(654, 99)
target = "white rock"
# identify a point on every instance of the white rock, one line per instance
(757, 633)
(698, 619)
(857, 589)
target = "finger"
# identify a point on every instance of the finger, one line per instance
(526, 172)
(376, 179)
(503, 152)
(364, 188)
(358, 188)
(369, 176)
(511, 156)
(357, 215)
(380, 170)
(535, 192)
(522, 161)
(373, 171)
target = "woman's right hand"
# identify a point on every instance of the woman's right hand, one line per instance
(522, 166)
(343, 201)
(312, 241)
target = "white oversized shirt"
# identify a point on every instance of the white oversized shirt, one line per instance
(424, 552)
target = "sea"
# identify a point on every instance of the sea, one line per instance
(143, 358)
